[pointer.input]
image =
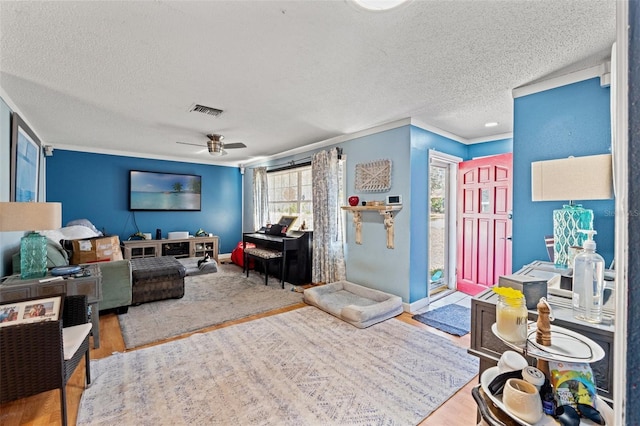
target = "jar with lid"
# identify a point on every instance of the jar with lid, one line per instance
(511, 318)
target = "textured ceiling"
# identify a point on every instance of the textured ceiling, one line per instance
(120, 77)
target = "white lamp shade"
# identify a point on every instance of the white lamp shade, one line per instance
(30, 216)
(573, 178)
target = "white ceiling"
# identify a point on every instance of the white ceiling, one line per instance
(120, 77)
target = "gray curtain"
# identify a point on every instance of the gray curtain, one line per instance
(328, 252)
(260, 197)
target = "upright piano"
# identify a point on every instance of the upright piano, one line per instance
(296, 248)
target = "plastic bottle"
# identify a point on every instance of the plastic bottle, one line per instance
(588, 282)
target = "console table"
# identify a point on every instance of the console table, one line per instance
(179, 247)
(90, 284)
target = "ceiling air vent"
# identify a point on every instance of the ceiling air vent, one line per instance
(206, 110)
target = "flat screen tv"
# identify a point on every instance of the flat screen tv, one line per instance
(164, 191)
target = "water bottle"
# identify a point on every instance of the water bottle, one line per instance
(588, 282)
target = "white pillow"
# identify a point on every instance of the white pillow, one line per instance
(74, 232)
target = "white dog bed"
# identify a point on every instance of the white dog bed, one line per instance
(353, 303)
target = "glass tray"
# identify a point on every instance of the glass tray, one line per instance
(566, 345)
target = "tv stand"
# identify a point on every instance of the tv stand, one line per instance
(183, 247)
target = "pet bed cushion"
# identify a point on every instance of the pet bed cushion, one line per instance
(192, 267)
(358, 305)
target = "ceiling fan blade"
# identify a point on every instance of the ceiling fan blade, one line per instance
(234, 145)
(194, 144)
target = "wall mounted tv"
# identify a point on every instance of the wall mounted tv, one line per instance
(164, 191)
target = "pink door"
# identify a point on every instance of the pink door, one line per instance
(484, 224)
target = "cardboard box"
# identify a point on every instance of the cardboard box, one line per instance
(97, 249)
(532, 288)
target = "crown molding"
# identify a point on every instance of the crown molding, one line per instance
(492, 138)
(603, 71)
(331, 141)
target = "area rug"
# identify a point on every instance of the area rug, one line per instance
(301, 367)
(208, 300)
(453, 319)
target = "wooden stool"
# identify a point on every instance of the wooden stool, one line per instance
(265, 256)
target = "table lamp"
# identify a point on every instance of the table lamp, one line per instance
(33, 246)
(566, 179)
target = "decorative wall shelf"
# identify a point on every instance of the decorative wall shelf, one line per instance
(384, 210)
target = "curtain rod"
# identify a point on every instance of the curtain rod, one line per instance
(301, 162)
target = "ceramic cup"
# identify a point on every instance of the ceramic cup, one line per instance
(511, 361)
(521, 399)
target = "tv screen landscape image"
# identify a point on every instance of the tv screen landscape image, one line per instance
(164, 191)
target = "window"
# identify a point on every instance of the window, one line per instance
(290, 194)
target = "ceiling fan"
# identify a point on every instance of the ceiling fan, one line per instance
(216, 146)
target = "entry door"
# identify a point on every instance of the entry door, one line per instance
(484, 224)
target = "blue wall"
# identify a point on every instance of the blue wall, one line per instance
(96, 186)
(569, 120)
(372, 263)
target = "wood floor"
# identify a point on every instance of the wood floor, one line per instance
(44, 409)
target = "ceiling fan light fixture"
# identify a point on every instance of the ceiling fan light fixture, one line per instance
(215, 147)
(379, 5)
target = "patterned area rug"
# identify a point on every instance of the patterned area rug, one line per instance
(302, 367)
(453, 319)
(209, 299)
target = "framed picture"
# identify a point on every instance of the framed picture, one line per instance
(31, 310)
(164, 191)
(374, 176)
(25, 161)
(286, 222)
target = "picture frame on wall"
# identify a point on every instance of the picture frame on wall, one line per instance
(25, 161)
(31, 310)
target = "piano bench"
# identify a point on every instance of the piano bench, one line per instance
(265, 256)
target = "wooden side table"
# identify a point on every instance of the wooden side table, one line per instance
(90, 284)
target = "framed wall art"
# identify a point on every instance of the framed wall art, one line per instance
(25, 161)
(164, 191)
(374, 176)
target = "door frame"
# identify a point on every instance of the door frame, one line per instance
(451, 217)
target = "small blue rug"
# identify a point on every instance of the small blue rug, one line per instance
(453, 319)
